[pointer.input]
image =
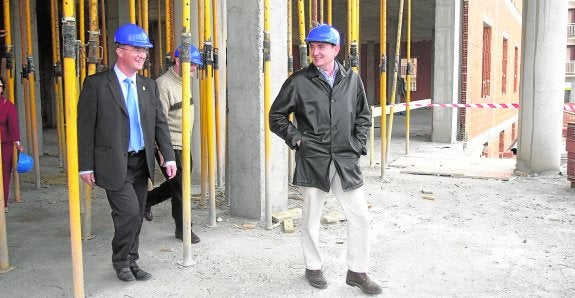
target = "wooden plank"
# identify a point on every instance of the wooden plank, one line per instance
(293, 213)
(288, 225)
(332, 217)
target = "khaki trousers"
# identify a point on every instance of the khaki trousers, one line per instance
(355, 209)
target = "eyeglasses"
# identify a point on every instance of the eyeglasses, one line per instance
(137, 50)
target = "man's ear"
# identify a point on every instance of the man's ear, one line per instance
(336, 49)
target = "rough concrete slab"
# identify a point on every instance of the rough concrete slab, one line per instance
(455, 166)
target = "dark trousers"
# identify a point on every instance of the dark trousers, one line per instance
(7, 157)
(128, 205)
(171, 188)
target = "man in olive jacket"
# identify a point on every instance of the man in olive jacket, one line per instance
(333, 118)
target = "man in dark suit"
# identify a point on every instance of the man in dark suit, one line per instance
(120, 121)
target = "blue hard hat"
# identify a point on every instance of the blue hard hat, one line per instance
(195, 55)
(25, 163)
(323, 33)
(132, 35)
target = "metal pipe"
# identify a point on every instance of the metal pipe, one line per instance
(159, 43)
(203, 115)
(69, 36)
(291, 154)
(219, 147)
(145, 17)
(132, 9)
(4, 258)
(82, 58)
(267, 105)
(408, 80)
(93, 60)
(329, 11)
(24, 75)
(169, 25)
(383, 83)
(4, 254)
(9, 75)
(303, 60)
(32, 89)
(104, 33)
(210, 119)
(186, 129)
(57, 79)
(314, 21)
(395, 71)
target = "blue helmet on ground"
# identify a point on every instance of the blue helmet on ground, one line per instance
(25, 163)
(323, 33)
(195, 55)
(132, 35)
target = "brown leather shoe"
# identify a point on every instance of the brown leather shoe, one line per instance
(315, 278)
(362, 281)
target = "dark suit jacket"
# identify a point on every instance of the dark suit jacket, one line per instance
(103, 127)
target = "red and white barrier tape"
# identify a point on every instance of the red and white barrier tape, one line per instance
(567, 107)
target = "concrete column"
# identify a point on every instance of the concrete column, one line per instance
(446, 74)
(542, 84)
(246, 164)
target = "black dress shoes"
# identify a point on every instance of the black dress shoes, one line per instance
(148, 213)
(195, 238)
(140, 274)
(124, 274)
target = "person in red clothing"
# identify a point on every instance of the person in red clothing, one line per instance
(10, 136)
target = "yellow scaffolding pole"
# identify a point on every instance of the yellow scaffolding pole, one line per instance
(10, 82)
(329, 11)
(93, 60)
(169, 35)
(383, 83)
(144, 24)
(32, 99)
(219, 132)
(57, 83)
(4, 259)
(395, 71)
(26, 65)
(132, 8)
(203, 115)
(104, 33)
(303, 60)
(82, 25)
(4, 254)
(291, 155)
(71, 98)
(408, 80)
(209, 110)
(267, 105)
(186, 130)
(159, 43)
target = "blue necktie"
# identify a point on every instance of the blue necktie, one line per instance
(136, 138)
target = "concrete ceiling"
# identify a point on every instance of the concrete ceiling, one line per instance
(422, 14)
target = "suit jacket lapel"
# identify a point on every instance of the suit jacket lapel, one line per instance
(142, 97)
(116, 90)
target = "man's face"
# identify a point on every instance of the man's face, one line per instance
(178, 67)
(131, 57)
(322, 53)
